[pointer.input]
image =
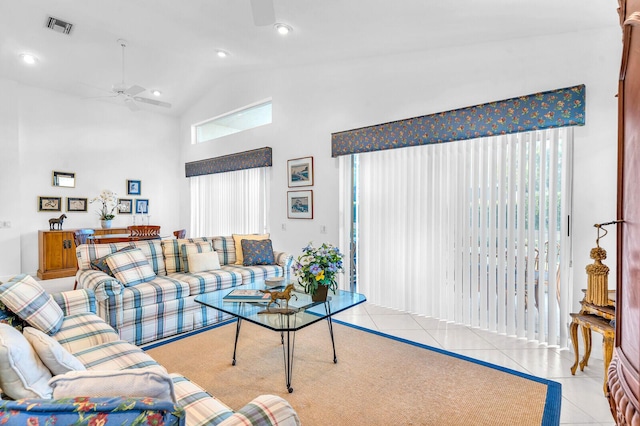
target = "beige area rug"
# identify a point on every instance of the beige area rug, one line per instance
(378, 380)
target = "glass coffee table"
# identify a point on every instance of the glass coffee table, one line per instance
(286, 320)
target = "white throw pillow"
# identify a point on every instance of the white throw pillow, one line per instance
(133, 382)
(199, 262)
(22, 374)
(57, 359)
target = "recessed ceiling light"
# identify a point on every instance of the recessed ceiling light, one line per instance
(283, 29)
(156, 92)
(222, 53)
(28, 58)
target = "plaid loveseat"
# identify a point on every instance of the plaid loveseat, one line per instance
(87, 339)
(159, 301)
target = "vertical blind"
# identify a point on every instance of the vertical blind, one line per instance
(470, 232)
(230, 203)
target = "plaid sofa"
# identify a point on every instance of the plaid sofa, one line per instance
(87, 337)
(164, 304)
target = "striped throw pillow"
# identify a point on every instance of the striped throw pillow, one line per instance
(130, 267)
(23, 296)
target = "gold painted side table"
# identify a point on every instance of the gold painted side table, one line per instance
(598, 319)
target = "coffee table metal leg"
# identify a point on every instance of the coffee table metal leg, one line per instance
(328, 308)
(235, 345)
(287, 352)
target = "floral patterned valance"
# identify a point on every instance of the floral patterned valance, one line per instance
(555, 108)
(228, 163)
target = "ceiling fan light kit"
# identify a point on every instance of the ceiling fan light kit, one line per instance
(28, 58)
(283, 29)
(128, 93)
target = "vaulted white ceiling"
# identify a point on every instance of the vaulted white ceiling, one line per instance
(171, 44)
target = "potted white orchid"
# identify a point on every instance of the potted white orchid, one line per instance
(109, 206)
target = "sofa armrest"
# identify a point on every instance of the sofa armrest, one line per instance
(86, 410)
(103, 285)
(76, 301)
(265, 410)
(285, 260)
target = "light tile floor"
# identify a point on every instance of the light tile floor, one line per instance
(583, 401)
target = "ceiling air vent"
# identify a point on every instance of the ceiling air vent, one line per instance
(58, 25)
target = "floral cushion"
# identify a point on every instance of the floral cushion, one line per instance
(257, 252)
(23, 296)
(237, 239)
(130, 267)
(8, 317)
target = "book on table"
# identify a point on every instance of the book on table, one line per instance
(247, 295)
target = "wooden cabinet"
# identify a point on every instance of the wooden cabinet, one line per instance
(624, 370)
(57, 252)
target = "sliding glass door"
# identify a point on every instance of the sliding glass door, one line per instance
(474, 231)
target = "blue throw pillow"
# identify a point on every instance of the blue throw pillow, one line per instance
(257, 252)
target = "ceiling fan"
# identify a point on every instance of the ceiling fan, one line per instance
(128, 93)
(263, 12)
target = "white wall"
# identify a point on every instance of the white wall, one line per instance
(102, 143)
(311, 102)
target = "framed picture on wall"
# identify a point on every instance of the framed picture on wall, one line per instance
(126, 205)
(134, 187)
(76, 204)
(300, 172)
(300, 204)
(142, 206)
(49, 204)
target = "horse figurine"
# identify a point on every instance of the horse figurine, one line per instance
(284, 295)
(53, 221)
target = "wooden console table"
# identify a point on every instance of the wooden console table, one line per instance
(57, 252)
(596, 318)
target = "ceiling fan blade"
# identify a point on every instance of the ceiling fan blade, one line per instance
(103, 97)
(134, 90)
(153, 102)
(131, 105)
(263, 12)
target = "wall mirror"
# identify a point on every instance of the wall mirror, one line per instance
(64, 179)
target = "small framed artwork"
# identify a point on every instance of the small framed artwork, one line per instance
(64, 179)
(142, 206)
(134, 187)
(126, 205)
(300, 172)
(76, 204)
(300, 204)
(49, 204)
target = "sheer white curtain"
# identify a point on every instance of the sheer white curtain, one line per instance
(472, 231)
(230, 203)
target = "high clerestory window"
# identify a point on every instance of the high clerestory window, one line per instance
(245, 118)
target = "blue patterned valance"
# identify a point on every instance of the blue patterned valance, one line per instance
(228, 163)
(555, 108)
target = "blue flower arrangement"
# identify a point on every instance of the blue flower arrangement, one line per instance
(318, 266)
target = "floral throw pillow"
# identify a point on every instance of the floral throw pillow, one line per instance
(257, 252)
